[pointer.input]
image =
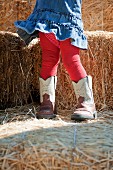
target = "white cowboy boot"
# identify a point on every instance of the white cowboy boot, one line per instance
(47, 98)
(86, 106)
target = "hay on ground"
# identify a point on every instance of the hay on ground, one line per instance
(56, 144)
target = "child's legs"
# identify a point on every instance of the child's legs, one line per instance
(50, 57)
(71, 60)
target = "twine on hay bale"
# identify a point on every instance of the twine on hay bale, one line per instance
(56, 144)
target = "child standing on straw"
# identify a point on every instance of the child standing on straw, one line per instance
(60, 29)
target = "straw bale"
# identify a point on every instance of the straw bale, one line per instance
(98, 62)
(57, 144)
(14, 10)
(97, 14)
(20, 67)
(16, 71)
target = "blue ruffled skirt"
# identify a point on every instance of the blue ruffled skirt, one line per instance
(65, 23)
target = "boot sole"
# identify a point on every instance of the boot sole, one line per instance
(83, 118)
(45, 116)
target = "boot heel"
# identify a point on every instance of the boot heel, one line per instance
(95, 115)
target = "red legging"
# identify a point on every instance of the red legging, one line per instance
(51, 58)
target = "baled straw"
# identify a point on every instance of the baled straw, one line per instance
(20, 69)
(97, 15)
(98, 62)
(16, 71)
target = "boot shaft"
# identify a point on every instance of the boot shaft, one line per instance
(83, 90)
(48, 87)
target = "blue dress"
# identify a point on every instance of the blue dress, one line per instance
(61, 17)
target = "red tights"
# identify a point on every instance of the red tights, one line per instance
(51, 58)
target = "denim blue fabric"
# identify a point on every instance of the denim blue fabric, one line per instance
(61, 17)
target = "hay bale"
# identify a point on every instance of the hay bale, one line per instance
(16, 71)
(20, 68)
(20, 10)
(97, 15)
(56, 144)
(98, 62)
(12, 11)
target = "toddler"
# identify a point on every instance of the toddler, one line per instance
(60, 28)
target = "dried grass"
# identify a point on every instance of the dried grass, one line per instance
(16, 71)
(56, 144)
(98, 62)
(19, 72)
(12, 11)
(97, 15)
